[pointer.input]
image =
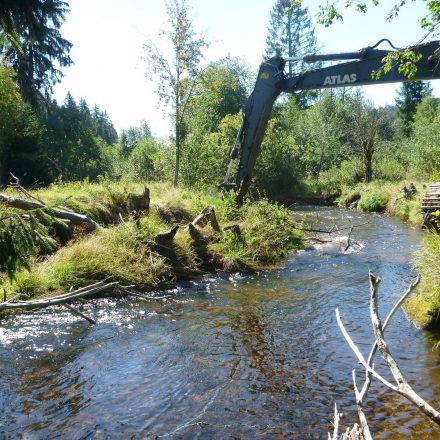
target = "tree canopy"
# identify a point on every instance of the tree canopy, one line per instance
(31, 41)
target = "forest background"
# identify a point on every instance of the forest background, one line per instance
(317, 141)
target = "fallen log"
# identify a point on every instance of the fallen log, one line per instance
(32, 205)
(65, 299)
(59, 299)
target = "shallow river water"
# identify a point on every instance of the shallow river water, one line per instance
(229, 357)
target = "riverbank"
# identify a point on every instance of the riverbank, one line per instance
(389, 198)
(131, 250)
(424, 308)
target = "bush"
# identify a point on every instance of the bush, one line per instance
(374, 202)
(348, 173)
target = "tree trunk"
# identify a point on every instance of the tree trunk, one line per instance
(289, 36)
(176, 168)
(368, 150)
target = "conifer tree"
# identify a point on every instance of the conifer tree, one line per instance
(33, 44)
(409, 96)
(290, 33)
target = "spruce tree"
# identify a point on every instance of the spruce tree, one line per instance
(33, 44)
(409, 96)
(290, 33)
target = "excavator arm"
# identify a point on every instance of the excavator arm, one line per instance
(272, 81)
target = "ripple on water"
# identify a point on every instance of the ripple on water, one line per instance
(231, 356)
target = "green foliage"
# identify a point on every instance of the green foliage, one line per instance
(408, 98)
(206, 154)
(425, 152)
(318, 132)
(374, 202)
(22, 237)
(213, 121)
(348, 173)
(144, 161)
(177, 76)
(406, 59)
(277, 171)
(290, 33)
(389, 168)
(37, 48)
(128, 252)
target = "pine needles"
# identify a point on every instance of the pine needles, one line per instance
(22, 236)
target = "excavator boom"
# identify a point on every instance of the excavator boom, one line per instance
(272, 81)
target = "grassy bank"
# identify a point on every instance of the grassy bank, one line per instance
(128, 251)
(424, 309)
(387, 197)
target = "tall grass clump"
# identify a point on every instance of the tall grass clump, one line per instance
(373, 202)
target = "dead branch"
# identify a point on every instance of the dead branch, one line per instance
(78, 313)
(402, 387)
(348, 239)
(350, 434)
(332, 229)
(32, 205)
(15, 183)
(59, 299)
(73, 296)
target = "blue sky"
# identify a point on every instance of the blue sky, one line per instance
(108, 35)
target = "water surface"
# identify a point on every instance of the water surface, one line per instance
(229, 357)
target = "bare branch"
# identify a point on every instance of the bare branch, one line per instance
(359, 355)
(403, 387)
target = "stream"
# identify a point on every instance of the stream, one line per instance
(230, 356)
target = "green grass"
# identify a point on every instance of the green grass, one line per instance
(126, 252)
(424, 309)
(383, 196)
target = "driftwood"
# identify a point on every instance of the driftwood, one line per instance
(331, 230)
(401, 386)
(74, 295)
(207, 215)
(348, 239)
(29, 205)
(353, 433)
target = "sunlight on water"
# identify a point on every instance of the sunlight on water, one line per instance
(233, 356)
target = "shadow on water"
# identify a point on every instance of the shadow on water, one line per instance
(229, 357)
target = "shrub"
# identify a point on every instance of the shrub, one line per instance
(348, 173)
(388, 168)
(374, 202)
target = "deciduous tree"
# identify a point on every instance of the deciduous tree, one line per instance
(177, 74)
